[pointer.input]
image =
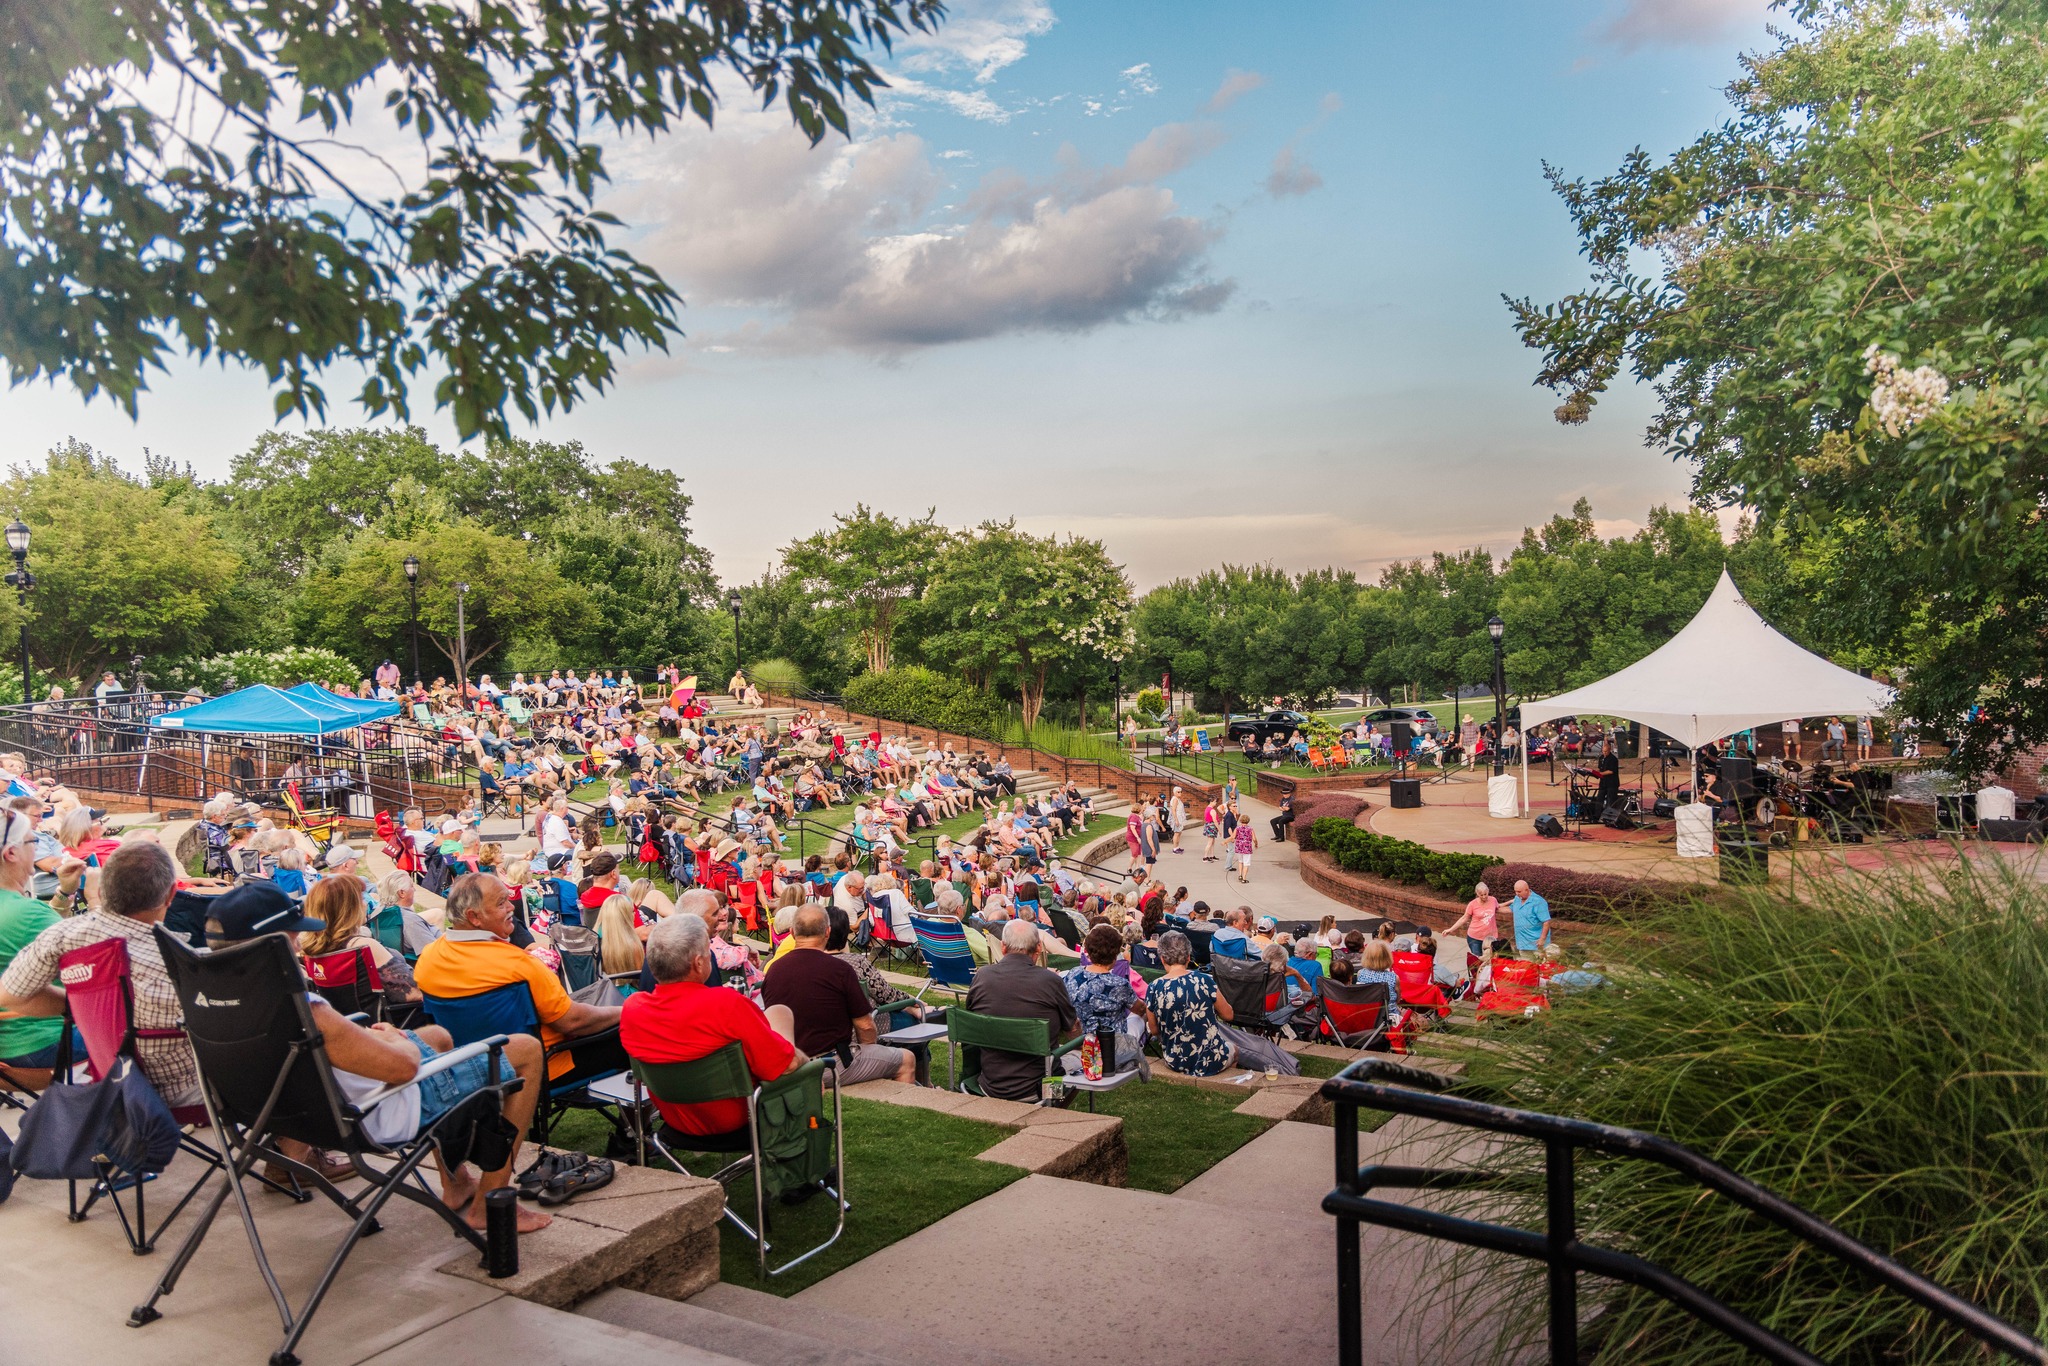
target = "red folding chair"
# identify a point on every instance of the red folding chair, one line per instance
(1356, 1015)
(746, 903)
(1417, 972)
(99, 1002)
(348, 981)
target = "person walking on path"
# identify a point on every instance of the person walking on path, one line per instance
(1210, 821)
(1231, 820)
(1468, 737)
(1247, 840)
(1177, 819)
(1149, 833)
(1134, 826)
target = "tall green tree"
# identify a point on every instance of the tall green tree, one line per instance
(864, 568)
(122, 568)
(218, 219)
(1841, 296)
(1012, 609)
(355, 600)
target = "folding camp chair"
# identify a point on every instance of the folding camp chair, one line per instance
(99, 1002)
(922, 892)
(581, 952)
(1145, 958)
(1355, 1014)
(971, 1033)
(320, 824)
(265, 1077)
(1198, 940)
(746, 903)
(783, 1145)
(349, 982)
(884, 942)
(1243, 983)
(216, 862)
(948, 962)
(1419, 990)
(509, 1010)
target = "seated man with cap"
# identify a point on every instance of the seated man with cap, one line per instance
(366, 1059)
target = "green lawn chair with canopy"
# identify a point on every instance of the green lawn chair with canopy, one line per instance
(970, 1033)
(786, 1144)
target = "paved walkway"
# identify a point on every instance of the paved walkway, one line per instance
(1238, 1267)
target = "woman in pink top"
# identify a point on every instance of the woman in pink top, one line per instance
(1480, 921)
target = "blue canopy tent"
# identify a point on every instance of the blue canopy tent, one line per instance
(307, 709)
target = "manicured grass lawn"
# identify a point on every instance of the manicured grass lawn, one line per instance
(906, 1168)
(1176, 1132)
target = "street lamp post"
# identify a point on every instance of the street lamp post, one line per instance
(461, 648)
(21, 581)
(1495, 627)
(732, 601)
(412, 589)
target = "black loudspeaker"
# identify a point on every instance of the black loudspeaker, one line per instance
(1405, 793)
(1956, 812)
(1616, 817)
(1664, 808)
(1745, 860)
(1626, 743)
(2030, 832)
(1549, 826)
(1404, 739)
(1738, 778)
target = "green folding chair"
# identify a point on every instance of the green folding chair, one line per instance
(786, 1143)
(922, 893)
(970, 1033)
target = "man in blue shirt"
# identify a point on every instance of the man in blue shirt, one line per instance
(1532, 920)
(1231, 940)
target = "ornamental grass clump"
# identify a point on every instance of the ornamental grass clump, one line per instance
(1876, 1051)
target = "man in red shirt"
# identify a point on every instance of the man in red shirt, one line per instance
(603, 868)
(683, 1020)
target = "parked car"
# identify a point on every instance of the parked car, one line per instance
(1278, 724)
(1421, 718)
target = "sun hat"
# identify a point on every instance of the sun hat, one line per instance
(341, 855)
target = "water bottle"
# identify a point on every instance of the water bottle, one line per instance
(1105, 1043)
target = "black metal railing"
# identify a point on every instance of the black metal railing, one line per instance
(1558, 1246)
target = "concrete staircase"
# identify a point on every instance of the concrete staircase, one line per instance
(1238, 1266)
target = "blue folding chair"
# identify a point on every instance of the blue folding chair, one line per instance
(559, 898)
(509, 1010)
(948, 962)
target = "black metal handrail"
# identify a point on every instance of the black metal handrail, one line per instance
(1558, 1246)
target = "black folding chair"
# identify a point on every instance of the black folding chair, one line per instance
(265, 1076)
(1244, 983)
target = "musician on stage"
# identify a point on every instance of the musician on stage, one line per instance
(1610, 779)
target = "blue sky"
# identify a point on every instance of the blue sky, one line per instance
(1211, 282)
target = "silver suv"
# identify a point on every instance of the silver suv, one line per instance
(1422, 719)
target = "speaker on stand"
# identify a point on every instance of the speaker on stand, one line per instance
(1404, 738)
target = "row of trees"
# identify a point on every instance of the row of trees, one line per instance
(306, 544)
(1576, 606)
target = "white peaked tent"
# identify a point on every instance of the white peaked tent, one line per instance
(1725, 672)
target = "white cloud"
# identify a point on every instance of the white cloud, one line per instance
(834, 246)
(973, 104)
(1139, 79)
(983, 36)
(1236, 84)
(1291, 175)
(1678, 23)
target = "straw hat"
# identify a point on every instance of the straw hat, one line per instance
(725, 850)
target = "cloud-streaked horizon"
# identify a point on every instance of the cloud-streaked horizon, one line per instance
(1678, 23)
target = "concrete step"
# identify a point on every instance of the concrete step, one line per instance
(742, 1339)
(868, 1334)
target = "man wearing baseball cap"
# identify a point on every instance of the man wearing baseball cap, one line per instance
(367, 1059)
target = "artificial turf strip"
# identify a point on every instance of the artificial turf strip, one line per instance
(1174, 1132)
(906, 1168)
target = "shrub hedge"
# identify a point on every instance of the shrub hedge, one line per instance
(1328, 806)
(920, 697)
(1404, 861)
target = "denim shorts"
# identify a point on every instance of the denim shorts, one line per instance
(47, 1057)
(444, 1091)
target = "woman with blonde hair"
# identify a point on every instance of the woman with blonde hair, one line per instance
(620, 947)
(651, 900)
(338, 902)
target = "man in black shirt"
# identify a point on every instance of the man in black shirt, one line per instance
(242, 770)
(1015, 987)
(832, 1012)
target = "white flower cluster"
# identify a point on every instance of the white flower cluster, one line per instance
(1901, 398)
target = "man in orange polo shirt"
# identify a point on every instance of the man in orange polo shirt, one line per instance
(477, 955)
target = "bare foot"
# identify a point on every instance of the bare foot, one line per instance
(530, 1220)
(459, 1189)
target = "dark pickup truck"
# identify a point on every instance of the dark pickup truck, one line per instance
(1278, 724)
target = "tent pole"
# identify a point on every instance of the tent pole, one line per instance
(1525, 775)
